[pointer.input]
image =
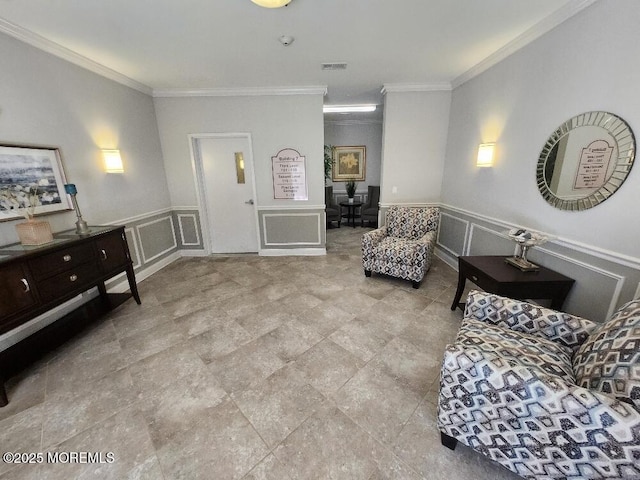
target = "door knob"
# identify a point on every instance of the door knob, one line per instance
(249, 202)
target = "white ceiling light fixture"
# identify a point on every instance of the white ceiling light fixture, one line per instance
(272, 3)
(348, 108)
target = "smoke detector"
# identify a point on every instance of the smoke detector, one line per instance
(286, 40)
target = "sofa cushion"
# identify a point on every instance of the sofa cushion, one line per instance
(412, 222)
(517, 348)
(609, 361)
(399, 250)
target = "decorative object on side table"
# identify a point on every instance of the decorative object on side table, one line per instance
(81, 226)
(525, 240)
(350, 187)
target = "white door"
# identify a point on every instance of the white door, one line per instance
(230, 204)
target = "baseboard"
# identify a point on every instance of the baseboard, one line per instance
(283, 252)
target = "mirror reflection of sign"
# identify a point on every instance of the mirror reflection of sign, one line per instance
(594, 164)
(289, 175)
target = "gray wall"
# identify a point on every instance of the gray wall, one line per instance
(518, 103)
(353, 133)
(275, 122)
(47, 101)
(414, 145)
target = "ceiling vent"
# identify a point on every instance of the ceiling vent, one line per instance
(334, 66)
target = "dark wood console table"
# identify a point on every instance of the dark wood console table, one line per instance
(35, 279)
(492, 274)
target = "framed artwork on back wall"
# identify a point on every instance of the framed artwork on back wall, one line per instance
(349, 163)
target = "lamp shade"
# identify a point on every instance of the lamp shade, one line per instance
(271, 3)
(485, 154)
(112, 161)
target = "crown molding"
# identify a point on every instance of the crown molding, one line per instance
(415, 87)
(41, 43)
(543, 26)
(239, 92)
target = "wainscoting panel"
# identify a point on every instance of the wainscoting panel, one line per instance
(189, 230)
(298, 229)
(157, 238)
(604, 280)
(134, 250)
(452, 234)
(488, 241)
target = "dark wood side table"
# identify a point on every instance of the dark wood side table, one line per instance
(351, 211)
(492, 274)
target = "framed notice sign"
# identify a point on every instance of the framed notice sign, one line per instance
(289, 175)
(593, 165)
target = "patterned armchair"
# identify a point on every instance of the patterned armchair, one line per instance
(546, 394)
(404, 247)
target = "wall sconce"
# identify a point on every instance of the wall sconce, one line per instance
(485, 155)
(112, 161)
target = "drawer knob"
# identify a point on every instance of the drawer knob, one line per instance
(103, 253)
(474, 278)
(27, 288)
(73, 277)
(67, 258)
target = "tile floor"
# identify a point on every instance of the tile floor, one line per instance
(250, 367)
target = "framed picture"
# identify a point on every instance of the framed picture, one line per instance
(348, 163)
(28, 175)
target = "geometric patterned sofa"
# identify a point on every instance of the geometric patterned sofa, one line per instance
(404, 247)
(546, 394)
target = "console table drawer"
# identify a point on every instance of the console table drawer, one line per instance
(77, 278)
(65, 259)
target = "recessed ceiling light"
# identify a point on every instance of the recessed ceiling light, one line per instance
(348, 108)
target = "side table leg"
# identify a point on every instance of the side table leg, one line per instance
(461, 283)
(133, 286)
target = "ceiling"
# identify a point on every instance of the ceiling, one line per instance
(230, 44)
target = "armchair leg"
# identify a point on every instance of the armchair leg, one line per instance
(367, 273)
(448, 441)
(415, 284)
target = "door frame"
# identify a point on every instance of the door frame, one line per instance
(201, 191)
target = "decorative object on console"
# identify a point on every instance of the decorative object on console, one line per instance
(81, 226)
(486, 152)
(525, 240)
(350, 187)
(25, 201)
(34, 232)
(585, 160)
